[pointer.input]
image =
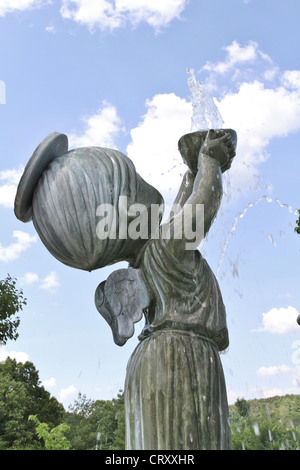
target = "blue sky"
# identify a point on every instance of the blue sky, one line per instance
(114, 74)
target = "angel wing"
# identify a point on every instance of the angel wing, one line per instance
(121, 300)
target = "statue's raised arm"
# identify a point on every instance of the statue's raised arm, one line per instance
(208, 155)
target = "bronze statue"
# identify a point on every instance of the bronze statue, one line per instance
(84, 205)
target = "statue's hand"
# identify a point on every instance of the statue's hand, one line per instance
(221, 149)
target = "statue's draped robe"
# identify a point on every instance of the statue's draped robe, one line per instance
(175, 390)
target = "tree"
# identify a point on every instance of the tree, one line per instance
(83, 423)
(97, 424)
(14, 402)
(22, 395)
(264, 426)
(119, 433)
(54, 439)
(11, 302)
(243, 407)
(111, 423)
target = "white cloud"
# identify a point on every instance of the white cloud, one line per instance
(51, 29)
(66, 393)
(12, 175)
(100, 129)
(9, 6)
(291, 79)
(7, 195)
(29, 278)
(258, 114)
(49, 384)
(237, 55)
(13, 251)
(154, 149)
(109, 15)
(263, 392)
(273, 370)
(156, 14)
(50, 282)
(266, 112)
(8, 188)
(18, 356)
(270, 73)
(264, 104)
(293, 377)
(280, 321)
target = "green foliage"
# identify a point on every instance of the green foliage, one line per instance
(111, 423)
(243, 407)
(20, 396)
(54, 438)
(83, 424)
(265, 424)
(11, 302)
(97, 424)
(119, 432)
(13, 404)
(271, 424)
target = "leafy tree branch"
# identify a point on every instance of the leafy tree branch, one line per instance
(11, 302)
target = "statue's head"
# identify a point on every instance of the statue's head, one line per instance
(68, 193)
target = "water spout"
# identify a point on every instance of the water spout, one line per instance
(205, 112)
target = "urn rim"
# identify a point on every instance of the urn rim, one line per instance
(51, 147)
(189, 145)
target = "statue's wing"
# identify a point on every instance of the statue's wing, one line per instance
(104, 308)
(121, 300)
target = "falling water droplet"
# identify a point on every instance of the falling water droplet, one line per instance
(235, 271)
(241, 215)
(270, 237)
(256, 429)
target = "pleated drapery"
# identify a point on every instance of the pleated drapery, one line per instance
(175, 394)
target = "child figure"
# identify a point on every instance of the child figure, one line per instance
(175, 390)
(175, 393)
